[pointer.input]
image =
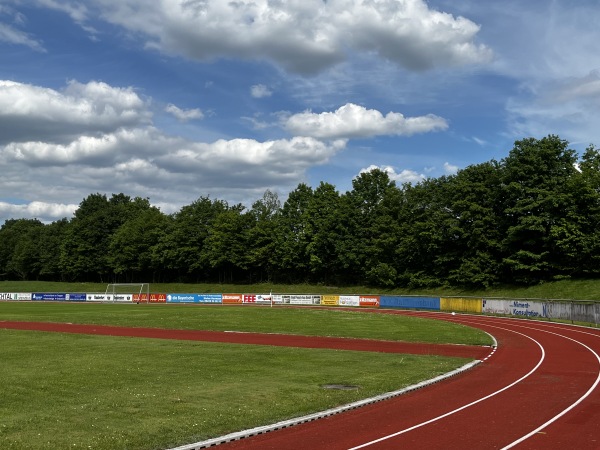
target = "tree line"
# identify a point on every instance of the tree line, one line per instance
(529, 218)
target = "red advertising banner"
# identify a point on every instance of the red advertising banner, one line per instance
(232, 298)
(371, 301)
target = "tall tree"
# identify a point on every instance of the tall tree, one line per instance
(323, 225)
(131, 247)
(475, 202)
(19, 248)
(293, 236)
(261, 239)
(535, 190)
(180, 250)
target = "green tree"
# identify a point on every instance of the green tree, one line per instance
(19, 248)
(261, 239)
(85, 253)
(475, 202)
(131, 247)
(369, 228)
(225, 248)
(180, 249)
(293, 236)
(322, 232)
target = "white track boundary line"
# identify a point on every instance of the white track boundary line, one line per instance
(565, 411)
(327, 413)
(435, 419)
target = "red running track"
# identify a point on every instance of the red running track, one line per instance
(539, 390)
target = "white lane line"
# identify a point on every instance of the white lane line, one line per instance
(435, 419)
(582, 398)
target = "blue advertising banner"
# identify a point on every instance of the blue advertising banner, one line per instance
(194, 298)
(49, 296)
(410, 302)
(182, 298)
(210, 298)
(76, 297)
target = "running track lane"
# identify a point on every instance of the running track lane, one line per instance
(542, 380)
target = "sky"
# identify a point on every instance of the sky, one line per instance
(173, 100)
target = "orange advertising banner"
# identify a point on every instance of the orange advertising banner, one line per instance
(232, 298)
(372, 301)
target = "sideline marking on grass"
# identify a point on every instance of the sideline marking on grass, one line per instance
(322, 414)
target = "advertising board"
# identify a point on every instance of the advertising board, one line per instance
(99, 298)
(396, 301)
(330, 300)
(349, 300)
(15, 296)
(232, 298)
(154, 298)
(49, 296)
(370, 301)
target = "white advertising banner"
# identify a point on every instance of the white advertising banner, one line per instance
(496, 306)
(13, 296)
(99, 298)
(349, 300)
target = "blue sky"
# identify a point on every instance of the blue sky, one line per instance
(177, 99)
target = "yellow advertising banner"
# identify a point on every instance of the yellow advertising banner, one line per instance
(461, 304)
(330, 300)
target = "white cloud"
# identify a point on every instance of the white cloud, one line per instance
(184, 114)
(46, 212)
(450, 169)
(14, 36)
(354, 121)
(304, 36)
(34, 113)
(566, 107)
(260, 91)
(60, 155)
(405, 176)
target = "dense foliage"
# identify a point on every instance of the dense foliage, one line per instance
(531, 217)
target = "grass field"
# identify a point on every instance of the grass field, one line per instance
(80, 391)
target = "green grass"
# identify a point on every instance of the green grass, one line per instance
(305, 321)
(79, 391)
(564, 289)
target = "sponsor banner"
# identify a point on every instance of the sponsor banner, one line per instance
(49, 296)
(13, 296)
(258, 298)
(209, 298)
(493, 306)
(461, 304)
(123, 298)
(232, 298)
(182, 298)
(154, 298)
(349, 300)
(76, 297)
(527, 308)
(304, 299)
(193, 298)
(99, 298)
(330, 300)
(371, 301)
(432, 303)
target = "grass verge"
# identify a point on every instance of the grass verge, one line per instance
(263, 319)
(79, 391)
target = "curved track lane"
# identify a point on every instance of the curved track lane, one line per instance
(539, 390)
